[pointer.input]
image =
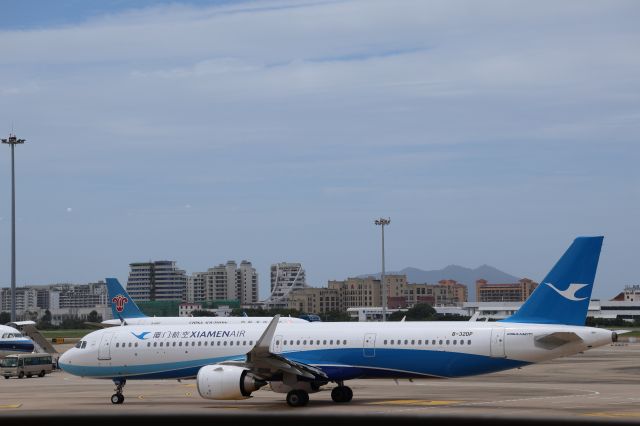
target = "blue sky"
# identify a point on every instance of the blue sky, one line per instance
(490, 133)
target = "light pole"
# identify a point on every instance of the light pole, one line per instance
(13, 141)
(382, 222)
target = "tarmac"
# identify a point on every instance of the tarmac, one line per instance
(600, 384)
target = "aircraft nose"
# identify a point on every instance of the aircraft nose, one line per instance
(65, 358)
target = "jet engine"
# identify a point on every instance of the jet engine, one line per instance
(226, 382)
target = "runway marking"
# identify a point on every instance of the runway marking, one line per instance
(18, 405)
(416, 402)
(190, 385)
(614, 414)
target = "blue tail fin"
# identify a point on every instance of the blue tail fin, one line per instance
(122, 305)
(563, 296)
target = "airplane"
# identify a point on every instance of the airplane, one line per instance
(125, 311)
(13, 341)
(230, 361)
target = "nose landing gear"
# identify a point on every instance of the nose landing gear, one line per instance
(118, 397)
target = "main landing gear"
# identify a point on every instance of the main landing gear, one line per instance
(297, 398)
(341, 393)
(118, 397)
(300, 397)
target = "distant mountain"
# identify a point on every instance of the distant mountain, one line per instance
(461, 274)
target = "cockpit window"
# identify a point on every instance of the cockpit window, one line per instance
(84, 344)
(78, 344)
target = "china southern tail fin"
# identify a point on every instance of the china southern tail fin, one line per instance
(122, 305)
(563, 296)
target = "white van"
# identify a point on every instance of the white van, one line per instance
(21, 365)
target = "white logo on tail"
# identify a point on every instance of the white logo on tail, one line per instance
(570, 292)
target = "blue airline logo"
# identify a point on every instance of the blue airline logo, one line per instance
(142, 335)
(570, 292)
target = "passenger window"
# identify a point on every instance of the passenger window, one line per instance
(447, 341)
(433, 342)
(161, 344)
(419, 342)
(297, 342)
(337, 342)
(117, 345)
(455, 342)
(179, 343)
(304, 342)
(440, 342)
(331, 342)
(385, 341)
(462, 342)
(238, 343)
(199, 343)
(392, 340)
(193, 343)
(468, 342)
(129, 344)
(148, 344)
(244, 343)
(406, 342)
(251, 342)
(174, 344)
(344, 342)
(231, 343)
(155, 344)
(413, 342)
(225, 343)
(218, 343)
(324, 342)
(311, 342)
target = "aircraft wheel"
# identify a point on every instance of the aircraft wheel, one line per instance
(297, 398)
(341, 394)
(117, 398)
(21, 375)
(349, 394)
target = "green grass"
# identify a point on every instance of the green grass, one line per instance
(66, 333)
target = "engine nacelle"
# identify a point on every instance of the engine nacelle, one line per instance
(226, 382)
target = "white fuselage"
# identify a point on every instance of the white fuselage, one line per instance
(342, 350)
(199, 320)
(12, 341)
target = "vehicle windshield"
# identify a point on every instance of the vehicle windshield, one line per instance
(9, 362)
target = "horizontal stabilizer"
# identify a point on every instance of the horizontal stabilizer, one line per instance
(554, 340)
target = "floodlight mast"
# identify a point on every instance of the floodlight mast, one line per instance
(382, 222)
(13, 141)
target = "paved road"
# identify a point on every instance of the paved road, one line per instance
(601, 384)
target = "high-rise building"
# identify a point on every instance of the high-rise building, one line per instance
(285, 277)
(511, 292)
(160, 280)
(225, 282)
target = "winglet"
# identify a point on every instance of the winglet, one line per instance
(264, 342)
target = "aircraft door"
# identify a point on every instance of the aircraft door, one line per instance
(277, 345)
(497, 343)
(369, 347)
(104, 351)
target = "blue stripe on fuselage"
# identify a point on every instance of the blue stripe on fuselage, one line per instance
(16, 345)
(338, 364)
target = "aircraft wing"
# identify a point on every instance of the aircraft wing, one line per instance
(559, 338)
(267, 365)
